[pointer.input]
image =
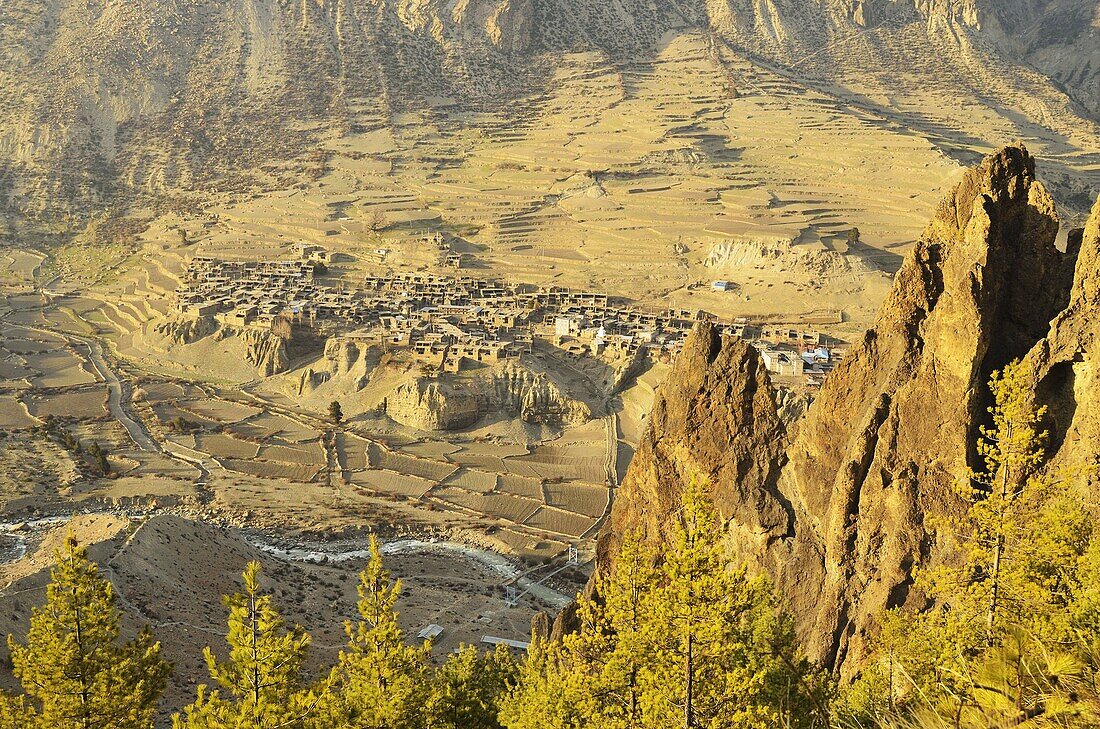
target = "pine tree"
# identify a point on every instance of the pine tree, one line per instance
(15, 713)
(466, 691)
(691, 642)
(261, 683)
(335, 412)
(379, 681)
(1023, 551)
(725, 653)
(1022, 535)
(1021, 682)
(612, 645)
(75, 672)
(550, 693)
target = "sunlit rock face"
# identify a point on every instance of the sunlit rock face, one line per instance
(836, 506)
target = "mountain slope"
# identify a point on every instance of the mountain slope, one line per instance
(174, 105)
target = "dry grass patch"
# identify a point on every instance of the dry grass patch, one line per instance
(551, 471)
(524, 543)
(252, 431)
(572, 462)
(489, 463)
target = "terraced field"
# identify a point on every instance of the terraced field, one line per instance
(498, 482)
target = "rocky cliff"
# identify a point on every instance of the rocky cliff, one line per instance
(1066, 364)
(715, 417)
(184, 330)
(427, 405)
(452, 403)
(836, 506)
(264, 350)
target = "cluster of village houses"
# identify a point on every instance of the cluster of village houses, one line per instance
(452, 322)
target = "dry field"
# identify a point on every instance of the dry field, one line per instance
(222, 411)
(557, 521)
(436, 450)
(225, 446)
(353, 452)
(499, 505)
(471, 480)
(167, 413)
(388, 482)
(272, 469)
(302, 454)
(265, 425)
(85, 404)
(13, 413)
(59, 369)
(19, 266)
(579, 498)
(530, 488)
(422, 467)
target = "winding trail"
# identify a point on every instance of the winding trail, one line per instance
(118, 395)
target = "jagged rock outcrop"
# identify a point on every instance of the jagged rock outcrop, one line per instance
(531, 396)
(265, 351)
(893, 428)
(453, 403)
(346, 361)
(184, 330)
(792, 404)
(429, 405)
(836, 507)
(714, 417)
